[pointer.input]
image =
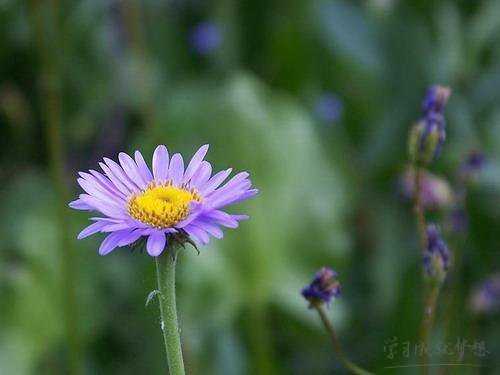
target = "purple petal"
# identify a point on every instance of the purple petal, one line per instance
(176, 169)
(143, 167)
(222, 218)
(111, 242)
(212, 229)
(78, 204)
(131, 170)
(156, 243)
(234, 198)
(114, 227)
(215, 182)
(130, 238)
(91, 229)
(120, 174)
(96, 191)
(116, 181)
(202, 174)
(160, 163)
(106, 183)
(198, 234)
(195, 162)
(104, 207)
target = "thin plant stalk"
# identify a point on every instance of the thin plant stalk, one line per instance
(433, 288)
(428, 320)
(353, 368)
(165, 277)
(51, 99)
(419, 208)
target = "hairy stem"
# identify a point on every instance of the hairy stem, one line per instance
(165, 277)
(353, 368)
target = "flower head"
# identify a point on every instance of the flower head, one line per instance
(135, 202)
(486, 296)
(435, 192)
(205, 38)
(472, 164)
(436, 254)
(328, 108)
(435, 99)
(428, 135)
(323, 287)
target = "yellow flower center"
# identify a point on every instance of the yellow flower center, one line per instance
(162, 206)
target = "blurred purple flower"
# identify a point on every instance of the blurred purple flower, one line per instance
(458, 220)
(473, 163)
(323, 287)
(486, 296)
(205, 38)
(433, 106)
(328, 108)
(435, 191)
(435, 99)
(428, 135)
(436, 254)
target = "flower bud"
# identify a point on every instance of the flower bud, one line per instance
(323, 287)
(426, 139)
(435, 99)
(428, 135)
(436, 255)
(485, 297)
(472, 164)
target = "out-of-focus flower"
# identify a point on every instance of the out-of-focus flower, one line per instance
(323, 287)
(328, 108)
(486, 296)
(473, 163)
(169, 202)
(205, 38)
(458, 221)
(428, 135)
(435, 191)
(436, 254)
(435, 99)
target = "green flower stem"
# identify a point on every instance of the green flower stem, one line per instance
(165, 277)
(353, 368)
(419, 209)
(428, 319)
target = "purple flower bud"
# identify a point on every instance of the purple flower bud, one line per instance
(205, 38)
(473, 163)
(323, 288)
(436, 254)
(486, 296)
(435, 192)
(435, 99)
(428, 135)
(328, 108)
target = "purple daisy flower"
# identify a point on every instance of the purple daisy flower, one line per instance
(136, 202)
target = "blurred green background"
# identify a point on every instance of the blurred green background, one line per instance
(314, 99)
